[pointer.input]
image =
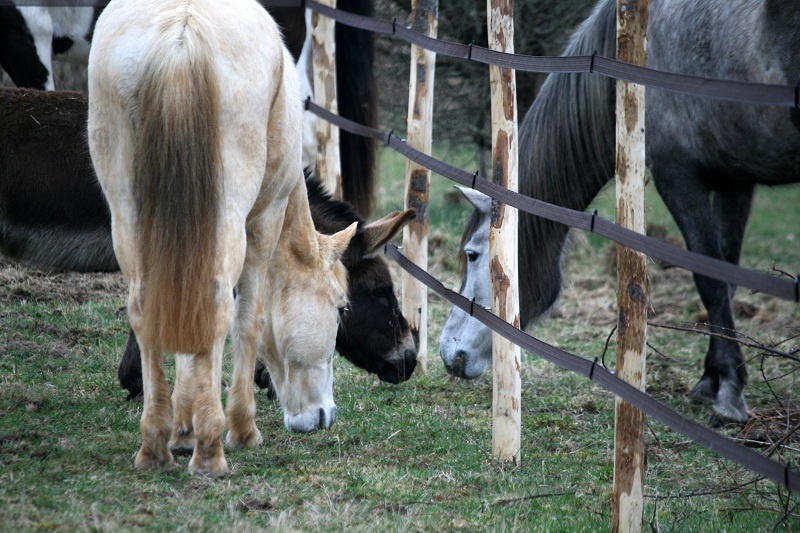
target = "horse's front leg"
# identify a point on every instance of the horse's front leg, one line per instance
(716, 231)
(241, 405)
(725, 371)
(250, 319)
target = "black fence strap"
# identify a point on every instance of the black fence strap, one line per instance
(352, 127)
(353, 20)
(777, 472)
(669, 254)
(736, 91)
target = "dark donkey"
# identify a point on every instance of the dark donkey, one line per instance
(53, 215)
(707, 156)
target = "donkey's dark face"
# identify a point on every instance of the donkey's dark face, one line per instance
(373, 334)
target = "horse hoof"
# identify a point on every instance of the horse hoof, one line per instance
(147, 461)
(252, 439)
(181, 446)
(729, 404)
(135, 395)
(214, 467)
(704, 391)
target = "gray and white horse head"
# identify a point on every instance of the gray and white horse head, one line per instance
(465, 344)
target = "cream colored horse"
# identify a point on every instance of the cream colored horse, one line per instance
(195, 133)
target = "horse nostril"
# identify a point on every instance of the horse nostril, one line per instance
(458, 362)
(321, 417)
(411, 353)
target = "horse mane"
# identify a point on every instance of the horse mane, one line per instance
(331, 215)
(566, 156)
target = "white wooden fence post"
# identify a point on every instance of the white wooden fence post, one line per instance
(629, 466)
(506, 398)
(323, 41)
(424, 19)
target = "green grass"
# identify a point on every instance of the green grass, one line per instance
(410, 457)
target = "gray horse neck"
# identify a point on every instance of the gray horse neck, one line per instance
(568, 134)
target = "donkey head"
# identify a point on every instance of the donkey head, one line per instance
(373, 333)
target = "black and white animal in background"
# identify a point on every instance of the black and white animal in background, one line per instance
(707, 156)
(31, 37)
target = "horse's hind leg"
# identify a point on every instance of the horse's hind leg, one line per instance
(156, 422)
(716, 233)
(129, 371)
(725, 371)
(208, 419)
(183, 394)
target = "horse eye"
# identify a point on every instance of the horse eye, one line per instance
(472, 256)
(343, 310)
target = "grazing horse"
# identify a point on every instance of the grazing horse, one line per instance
(32, 37)
(195, 135)
(706, 157)
(53, 215)
(373, 334)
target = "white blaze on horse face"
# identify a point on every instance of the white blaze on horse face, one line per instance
(465, 344)
(304, 326)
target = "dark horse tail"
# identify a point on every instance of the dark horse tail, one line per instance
(566, 156)
(177, 165)
(357, 97)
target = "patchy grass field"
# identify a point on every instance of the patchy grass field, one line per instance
(409, 457)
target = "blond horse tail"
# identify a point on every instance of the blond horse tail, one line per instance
(178, 177)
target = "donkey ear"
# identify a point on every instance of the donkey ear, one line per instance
(381, 231)
(481, 202)
(333, 246)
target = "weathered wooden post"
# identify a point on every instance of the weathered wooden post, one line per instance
(506, 399)
(629, 465)
(323, 44)
(424, 19)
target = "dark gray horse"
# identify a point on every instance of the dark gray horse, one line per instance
(706, 156)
